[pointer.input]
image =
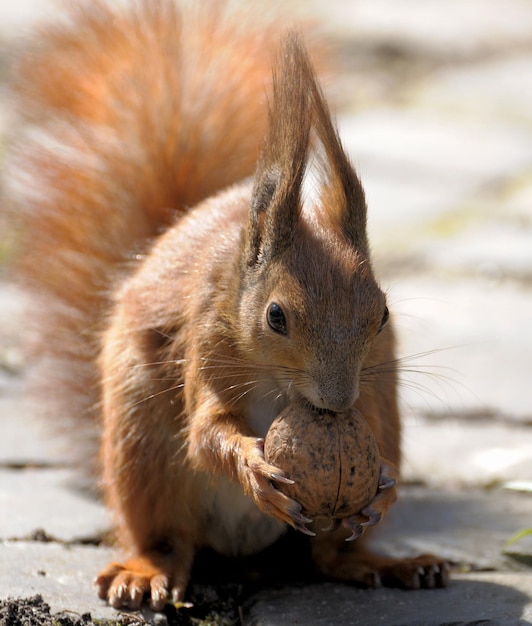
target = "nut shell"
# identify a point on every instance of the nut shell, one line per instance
(333, 460)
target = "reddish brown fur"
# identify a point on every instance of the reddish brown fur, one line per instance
(163, 111)
(129, 93)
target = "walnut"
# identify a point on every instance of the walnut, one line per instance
(333, 459)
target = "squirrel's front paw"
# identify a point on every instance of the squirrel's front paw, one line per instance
(258, 479)
(372, 513)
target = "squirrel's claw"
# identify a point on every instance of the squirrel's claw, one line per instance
(372, 513)
(128, 585)
(299, 518)
(422, 572)
(374, 517)
(352, 524)
(303, 529)
(258, 480)
(280, 478)
(386, 482)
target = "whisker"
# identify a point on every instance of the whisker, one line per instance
(239, 397)
(222, 376)
(406, 367)
(241, 385)
(278, 395)
(158, 393)
(153, 363)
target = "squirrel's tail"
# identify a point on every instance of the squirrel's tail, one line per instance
(133, 113)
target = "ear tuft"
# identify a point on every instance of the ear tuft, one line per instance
(283, 158)
(297, 106)
(343, 197)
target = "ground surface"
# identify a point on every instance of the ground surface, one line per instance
(437, 115)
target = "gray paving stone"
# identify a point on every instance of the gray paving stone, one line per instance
(431, 141)
(13, 304)
(449, 29)
(32, 499)
(63, 575)
(17, 16)
(495, 249)
(484, 452)
(469, 527)
(27, 440)
(518, 203)
(463, 603)
(417, 164)
(497, 89)
(520, 546)
(480, 347)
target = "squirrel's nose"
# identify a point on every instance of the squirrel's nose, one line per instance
(337, 405)
(335, 400)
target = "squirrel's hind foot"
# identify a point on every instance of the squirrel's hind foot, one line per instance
(362, 567)
(142, 579)
(354, 563)
(426, 571)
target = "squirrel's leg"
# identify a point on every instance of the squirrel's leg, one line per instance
(155, 522)
(148, 486)
(221, 442)
(353, 562)
(373, 512)
(342, 555)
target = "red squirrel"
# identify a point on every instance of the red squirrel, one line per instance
(196, 237)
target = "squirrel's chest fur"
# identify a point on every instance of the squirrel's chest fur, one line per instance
(265, 402)
(233, 524)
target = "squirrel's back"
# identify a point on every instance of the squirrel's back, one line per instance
(132, 115)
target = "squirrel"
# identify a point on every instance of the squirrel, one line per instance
(195, 237)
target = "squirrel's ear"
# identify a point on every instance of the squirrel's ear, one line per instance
(276, 201)
(342, 195)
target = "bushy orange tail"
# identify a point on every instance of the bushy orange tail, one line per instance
(133, 115)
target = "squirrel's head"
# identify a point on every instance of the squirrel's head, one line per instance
(310, 304)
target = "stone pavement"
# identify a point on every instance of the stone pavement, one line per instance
(437, 115)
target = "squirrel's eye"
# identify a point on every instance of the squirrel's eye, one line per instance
(385, 318)
(276, 319)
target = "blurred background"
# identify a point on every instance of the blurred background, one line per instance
(435, 109)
